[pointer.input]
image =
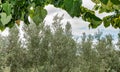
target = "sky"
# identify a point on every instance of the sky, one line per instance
(78, 25)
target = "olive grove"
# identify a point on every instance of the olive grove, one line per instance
(53, 49)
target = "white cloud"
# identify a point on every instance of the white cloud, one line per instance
(76, 23)
(88, 4)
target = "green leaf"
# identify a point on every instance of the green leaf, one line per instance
(104, 1)
(94, 20)
(5, 19)
(68, 5)
(96, 7)
(10, 24)
(106, 21)
(73, 7)
(116, 22)
(7, 8)
(58, 3)
(96, 1)
(76, 7)
(116, 2)
(95, 23)
(39, 15)
(31, 12)
(1, 26)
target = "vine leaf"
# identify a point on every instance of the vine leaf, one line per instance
(5, 19)
(94, 20)
(7, 8)
(1, 26)
(106, 21)
(116, 2)
(104, 1)
(73, 7)
(39, 15)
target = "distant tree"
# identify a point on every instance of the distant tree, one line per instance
(2, 52)
(63, 47)
(88, 55)
(53, 49)
(16, 57)
(46, 50)
(12, 11)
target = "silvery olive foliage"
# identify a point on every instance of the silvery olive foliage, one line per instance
(53, 49)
